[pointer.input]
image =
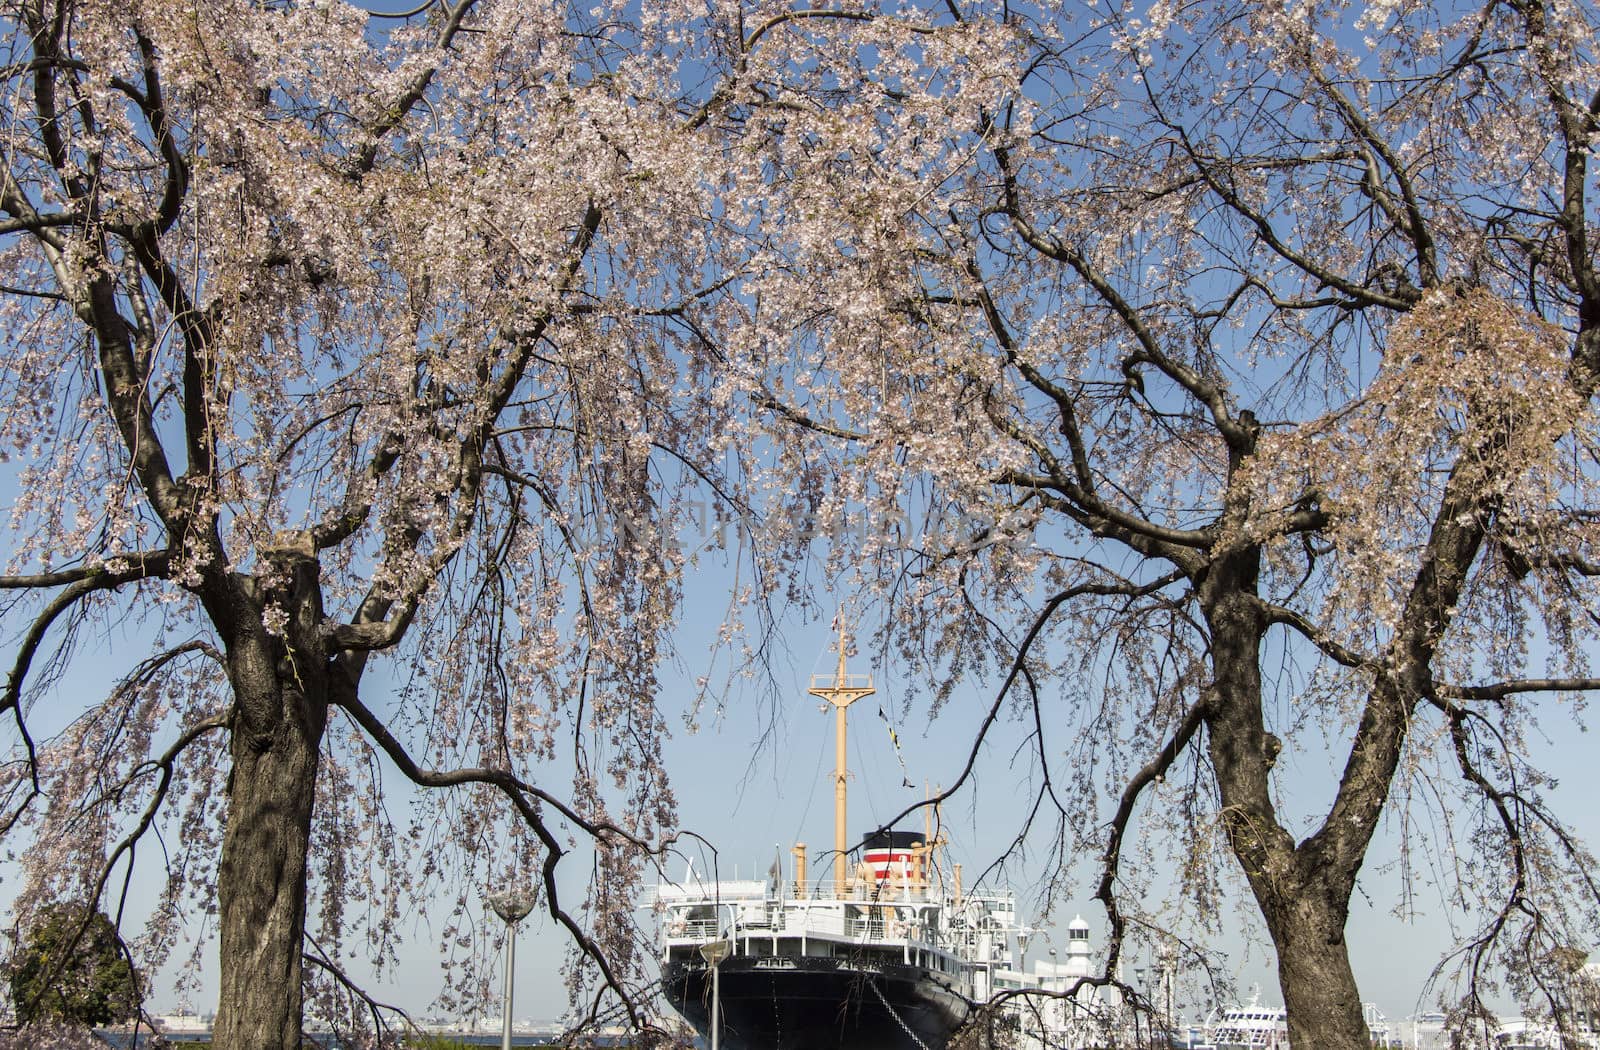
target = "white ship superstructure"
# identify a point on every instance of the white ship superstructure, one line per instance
(887, 962)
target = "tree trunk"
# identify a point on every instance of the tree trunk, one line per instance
(280, 711)
(1303, 894)
(1319, 988)
(261, 887)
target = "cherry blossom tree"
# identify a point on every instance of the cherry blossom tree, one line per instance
(345, 349)
(327, 338)
(1241, 364)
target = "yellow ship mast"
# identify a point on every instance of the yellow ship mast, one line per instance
(841, 691)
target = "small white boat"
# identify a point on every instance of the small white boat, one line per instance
(1252, 1025)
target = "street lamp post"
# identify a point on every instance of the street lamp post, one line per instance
(513, 906)
(713, 952)
(1167, 959)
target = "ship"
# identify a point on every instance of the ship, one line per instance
(1252, 1026)
(891, 953)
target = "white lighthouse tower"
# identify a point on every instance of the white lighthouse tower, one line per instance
(1078, 962)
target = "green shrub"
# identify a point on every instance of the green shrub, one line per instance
(72, 971)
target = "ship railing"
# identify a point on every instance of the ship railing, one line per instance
(921, 944)
(841, 681)
(997, 904)
(885, 894)
(693, 929)
(875, 929)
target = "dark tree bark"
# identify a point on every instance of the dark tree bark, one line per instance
(1304, 900)
(1319, 987)
(281, 710)
(1303, 890)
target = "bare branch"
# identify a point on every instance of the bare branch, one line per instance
(74, 592)
(1151, 772)
(1278, 614)
(320, 958)
(145, 565)
(1198, 386)
(1502, 690)
(366, 155)
(794, 415)
(522, 797)
(1019, 668)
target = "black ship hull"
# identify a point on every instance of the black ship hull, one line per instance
(813, 1003)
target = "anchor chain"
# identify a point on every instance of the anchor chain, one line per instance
(895, 1014)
